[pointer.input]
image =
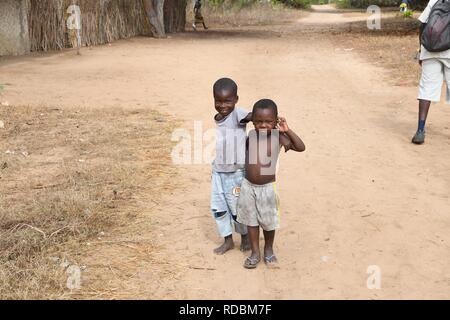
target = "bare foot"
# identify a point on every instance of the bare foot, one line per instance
(226, 246)
(245, 243)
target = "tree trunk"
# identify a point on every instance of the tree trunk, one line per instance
(155, 14)
(175, 15)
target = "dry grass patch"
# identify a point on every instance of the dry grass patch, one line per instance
(393, 47)
(67, 177)
(254, 15)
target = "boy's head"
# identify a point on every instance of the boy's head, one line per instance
(225, 96)
(265, 115)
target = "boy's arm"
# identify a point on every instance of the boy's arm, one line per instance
(423, 18)
(218, 117)
(244, 120)
(422, 27)
(294, 143)
(247, 119)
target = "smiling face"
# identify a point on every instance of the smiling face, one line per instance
(264, 119)
(225, 100)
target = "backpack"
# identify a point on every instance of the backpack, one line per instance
(436, 34)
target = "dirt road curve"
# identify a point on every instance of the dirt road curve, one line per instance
(361, 195)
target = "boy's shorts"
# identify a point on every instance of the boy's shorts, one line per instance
(258, 205)
(434, 72)
(225, 190)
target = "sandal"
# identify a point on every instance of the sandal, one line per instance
(251, 263)
(271, 261)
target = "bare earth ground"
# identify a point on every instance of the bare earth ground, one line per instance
(361, 195)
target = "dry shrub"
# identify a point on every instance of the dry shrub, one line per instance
(68, 176)
(102, 22)
(260, 13)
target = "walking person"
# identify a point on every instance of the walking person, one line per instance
(198, 18)
(434, 58)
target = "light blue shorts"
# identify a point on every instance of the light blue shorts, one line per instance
(225, 190)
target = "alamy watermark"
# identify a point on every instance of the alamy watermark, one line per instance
(374, 279)
(374, 19)
(226, 146)
(74, 277)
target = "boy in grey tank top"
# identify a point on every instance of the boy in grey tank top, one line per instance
(229, 164)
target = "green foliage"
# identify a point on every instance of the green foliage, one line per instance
(215, 3)
(408, 14)
(237, 4)
(343, 4)
(244, 3)
(296, 3)
(363, 4)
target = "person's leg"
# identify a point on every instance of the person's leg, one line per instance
(223, 221)
(255, 257)
(243, 231)
(246, 215)
(245, 243)
(204, 26)
(269, 255)
(253, 235)
(429, 90)
(232, 186)
(221, 215)
(194, 24)
(424, 106)
(227, 245)
(268, 208)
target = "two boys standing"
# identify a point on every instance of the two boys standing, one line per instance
(243, 190)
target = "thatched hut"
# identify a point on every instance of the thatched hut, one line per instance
(43, 23)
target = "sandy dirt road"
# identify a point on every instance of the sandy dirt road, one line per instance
(361, 195)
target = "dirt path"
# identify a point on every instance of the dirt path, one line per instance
(328, 14)
(361, 195)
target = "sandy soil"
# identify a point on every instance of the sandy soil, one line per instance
(361, 195)
(329, 14)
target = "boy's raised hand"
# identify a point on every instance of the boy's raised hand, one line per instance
(282, 125)
(295, 143)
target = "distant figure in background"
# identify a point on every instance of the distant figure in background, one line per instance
(198, 15)
(404, 6)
